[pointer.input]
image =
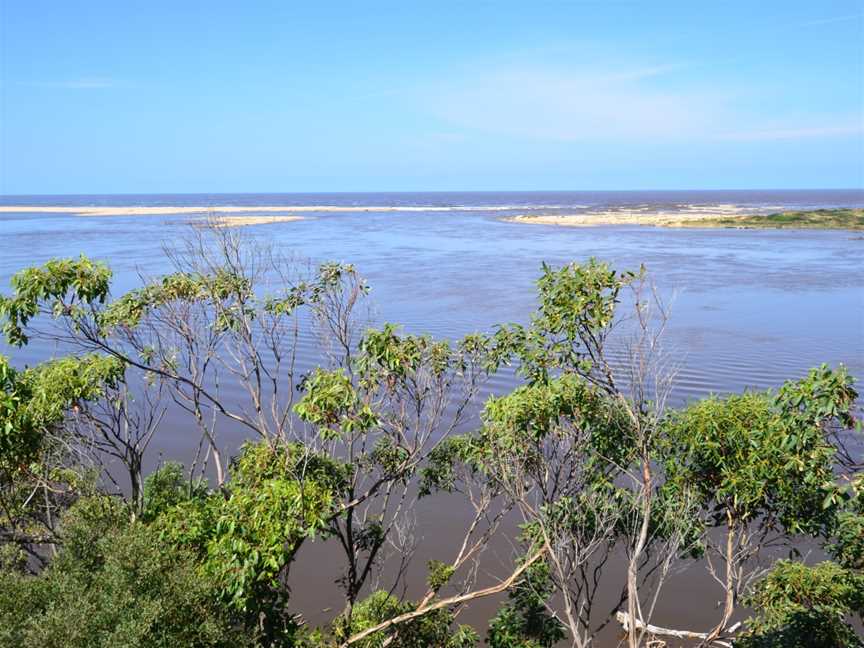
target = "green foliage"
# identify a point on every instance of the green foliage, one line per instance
(201, 568)
(246, 538)
(577, 307)
(36, 399)
(724, 449)
(185, 287)
(34, 455)
(168, 487)
(333, 276)
(578, 298)
(62, 284)
(439, 574)
(32, 498)
(432, 630)
(852, 219)
(823, 396)
(390, 457)
(566, 409)
(18, 436)
(524, 622)
(768, 459)
(805, 607)
(332, 404)
(83, 526)
(258, 533)
(848, 545)
(847, 528)
(440, 471)
(330, 279)
(115, 583)
(558, 407)
(757, 455)
(386, 355)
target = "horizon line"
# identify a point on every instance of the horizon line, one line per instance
(4, 196)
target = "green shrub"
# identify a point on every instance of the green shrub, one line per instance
(805, 607)
(433, 629)
(115, 584)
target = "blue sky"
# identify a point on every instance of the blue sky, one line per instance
(129, 97)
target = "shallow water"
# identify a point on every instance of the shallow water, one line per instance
(749, 308)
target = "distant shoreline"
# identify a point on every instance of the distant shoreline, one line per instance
(252, 209)
(684, 216)
(845, 219)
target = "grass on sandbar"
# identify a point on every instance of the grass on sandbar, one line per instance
(849, 219)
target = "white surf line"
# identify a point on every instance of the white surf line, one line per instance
(238, 209)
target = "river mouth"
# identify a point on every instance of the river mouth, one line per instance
(749, 309)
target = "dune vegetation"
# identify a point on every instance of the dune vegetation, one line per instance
(843, 219)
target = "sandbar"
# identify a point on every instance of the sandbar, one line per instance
(721, 216)
(241, 221)
(620, 217)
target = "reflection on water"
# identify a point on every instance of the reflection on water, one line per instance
(749, 308)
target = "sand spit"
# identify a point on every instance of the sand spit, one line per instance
(710, 216)
(658, 219)
(690, 216)
(237, 209)
(241, 221)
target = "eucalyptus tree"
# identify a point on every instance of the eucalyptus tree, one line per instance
(38, 466)
(799, 605)
(233, 311)
(763, 467)
(805, 606)
(585, 452)
(574, 449)
(119, 427)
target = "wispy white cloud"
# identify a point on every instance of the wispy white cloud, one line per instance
(652, 103)
(795, 133)
(573, 105)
